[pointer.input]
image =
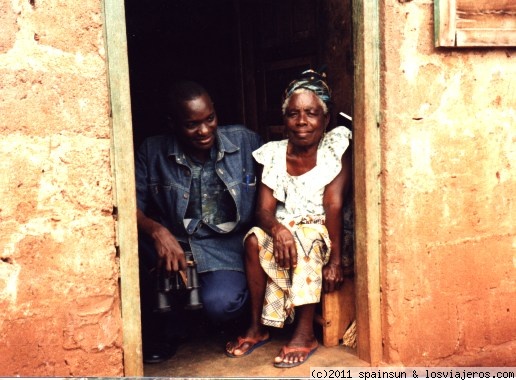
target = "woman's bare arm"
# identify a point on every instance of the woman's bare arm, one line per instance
(333, 202)
(284, 245)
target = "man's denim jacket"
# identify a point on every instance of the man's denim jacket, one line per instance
(163, 188)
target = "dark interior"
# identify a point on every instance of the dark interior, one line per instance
(245, 52)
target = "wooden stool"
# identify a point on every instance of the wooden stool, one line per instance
(338, 311)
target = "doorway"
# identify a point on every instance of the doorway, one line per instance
(237, 74)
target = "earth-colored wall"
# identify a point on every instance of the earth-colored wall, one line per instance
(448, 191)
(59, 303)
(448, 213)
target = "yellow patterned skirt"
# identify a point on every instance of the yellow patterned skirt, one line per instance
(287, 288)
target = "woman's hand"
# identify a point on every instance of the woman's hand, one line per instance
(284, 246)
(169, 250)
(285, 251)
(333, 277)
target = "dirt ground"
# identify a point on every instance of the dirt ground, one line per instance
(201, 354)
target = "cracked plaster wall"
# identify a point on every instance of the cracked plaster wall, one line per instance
(59, 303)
(448, 148)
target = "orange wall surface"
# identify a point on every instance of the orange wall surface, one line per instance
(448, 238)
(59, 303)
(448, 215)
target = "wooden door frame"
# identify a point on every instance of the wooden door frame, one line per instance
(367, 169)
(124, 189)
(366, 180)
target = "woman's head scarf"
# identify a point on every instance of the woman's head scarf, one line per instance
(313, 81)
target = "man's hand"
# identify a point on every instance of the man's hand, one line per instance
(169, 250)
(333, 277)
(285, 251)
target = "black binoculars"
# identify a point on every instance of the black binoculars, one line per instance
(171, 287)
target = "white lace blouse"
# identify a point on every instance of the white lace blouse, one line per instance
(301, 197)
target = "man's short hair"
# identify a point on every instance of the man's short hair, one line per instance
(181, 92)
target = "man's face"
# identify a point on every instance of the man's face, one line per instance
(196, 124)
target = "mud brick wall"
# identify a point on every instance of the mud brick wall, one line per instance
(448, 186)
(59, 303)
(448, 217)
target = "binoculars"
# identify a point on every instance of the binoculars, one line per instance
(171, 287)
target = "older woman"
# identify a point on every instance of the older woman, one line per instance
(294, 253)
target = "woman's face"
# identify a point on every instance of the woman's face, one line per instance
(305, 119)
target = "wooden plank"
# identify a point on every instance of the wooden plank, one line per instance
(367, 167)
(330, 314)
(338, 311)
(486, 6)
(487, 21)
(485, 16)
(484, 37)
(445, 22)
(465, 23)
(124, 186)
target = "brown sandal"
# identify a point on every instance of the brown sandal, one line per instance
(254, 344)
(287, 350)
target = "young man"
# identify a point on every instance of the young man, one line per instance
(195, 191)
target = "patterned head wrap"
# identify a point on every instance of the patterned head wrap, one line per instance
(313, 81)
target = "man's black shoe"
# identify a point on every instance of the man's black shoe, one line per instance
(157, 353)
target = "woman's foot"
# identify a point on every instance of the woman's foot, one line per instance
(296, 352)
(245, 345)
